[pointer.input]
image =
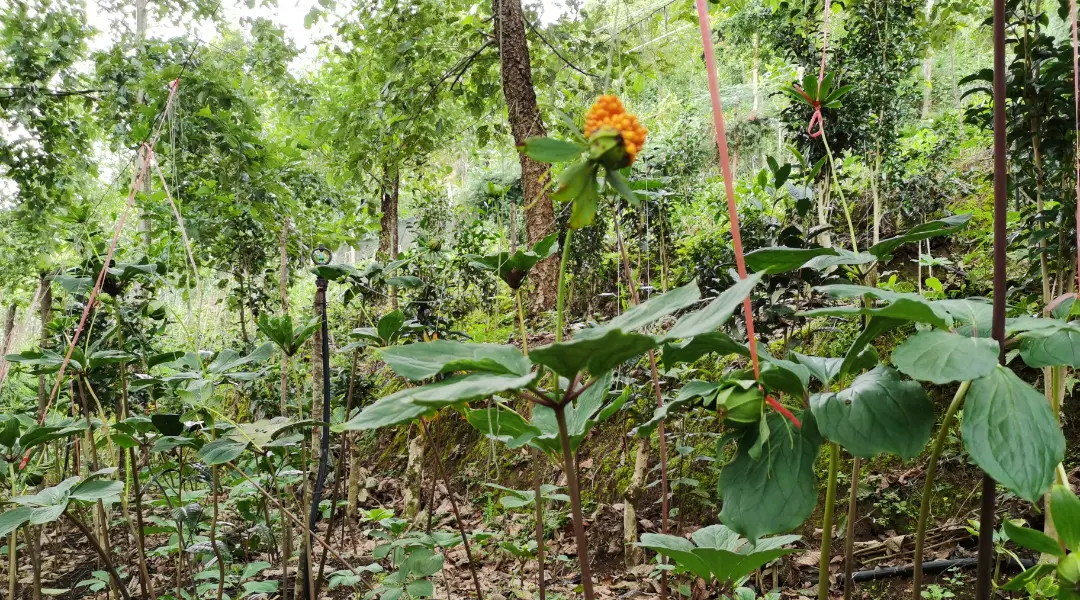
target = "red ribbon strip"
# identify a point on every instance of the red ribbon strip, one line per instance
(147, 152)
(729, 189)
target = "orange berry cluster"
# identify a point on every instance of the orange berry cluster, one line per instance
(609, 110)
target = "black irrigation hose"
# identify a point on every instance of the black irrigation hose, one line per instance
(933, 566)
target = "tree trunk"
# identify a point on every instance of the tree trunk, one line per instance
(388, 224)
(45, 313)
(413, 476)
(928, 81)
(526, 122)
(144, 215)
(631, 499)
(756, 74)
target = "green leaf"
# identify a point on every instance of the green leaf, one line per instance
(502, 424)
(855, 358)
(390, 323)
(1032, 575)
(600, 349)
(97, 489)
(422, 563)
(781, 259)
(254, 568)
(778, 492)
(706, 343)
(423, 360)
(842, 257)
(14, 518)
(1011, 434)
(228, 360)
(1051, 347)
(782, 375)
(619, 184)
(550, 150)
(394, 409)
(583, 211)
(679, 550)
(718, 553)
(821, 368)
(931, 229)
(420, 588)
(901, 306)
(581, 416)
(221, 451)
(577, 180)
(943, 357)
(1032, 539)
(43, 435)
(167, 423)
(269, 586)
(409, 282)
(591, 353)
(715, 314)
(976, 315)
(9, 432)
(514, 268)
(1065, 511)
(878, 413)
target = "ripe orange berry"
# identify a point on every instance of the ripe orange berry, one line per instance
(609, 110)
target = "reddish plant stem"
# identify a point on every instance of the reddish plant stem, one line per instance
(570, 465)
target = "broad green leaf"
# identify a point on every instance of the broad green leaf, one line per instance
(1032, 539)
(168, 423)
(514, 268)
(9, 432)
(1051, 348)
(706, 343)
(943, 357)
(715, 314)
(856, 357)
(171, 442)
(593, 354)
(973, 316)
(97, 489)
(781, 259)
(678, 549)
(463, 388)
(1032, 575)
(502, 424)
(778, 492)
(269, 586)
(227, 360)
(931, 229)
(409, 282)
(254, 568)
(394, 409)
(899, 305)
(602, 348)
(14, 518)
(1010, 433)
(1065, 511)
(56, 495)
(878, 413)
(420, 588)
(821, 368)
(550, 150)
(782, 375)
(422, 563)
(47, 514)
(842, 257)
(423, 360)
(620, 185)
(221, 451)
(583, 210)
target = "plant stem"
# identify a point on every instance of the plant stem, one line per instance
(140, 538)
(827, 521)
(213, 535)
(101, 552)
(840, 190)
(928, 486)
(537, 479)
(286, 533)
(521, 322)
(453, 506)
(849, 537)
(570, 467)
(560, 296)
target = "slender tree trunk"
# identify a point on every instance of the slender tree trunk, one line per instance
(45, 314)
(757, 73)
(928, 82)
(824, 238)
(631, 501)
(388, 223)
(145, 223)
(525, 122)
